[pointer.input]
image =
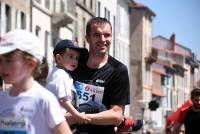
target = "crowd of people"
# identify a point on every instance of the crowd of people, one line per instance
(86, 91)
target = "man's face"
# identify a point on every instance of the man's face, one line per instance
(196, 102)
(100, 38)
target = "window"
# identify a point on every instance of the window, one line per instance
(23, 21)
(91, 4)
(105, 12)
(62, 6)
(76, 29)
(99, 9)
(37, 31)
(16, 19)
(47, 4)
(108, 15)
(146, 42)
(163, 80)
(84, 25)
(114, 51)
(148, 74)
(38, 1)
(46, 43)
(169, 98)
(54, 5)
(8, 18)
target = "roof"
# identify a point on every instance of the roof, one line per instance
(143, 7)
(160, 42)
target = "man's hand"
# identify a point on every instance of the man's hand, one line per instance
(112, 116)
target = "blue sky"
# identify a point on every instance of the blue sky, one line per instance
(181, 17)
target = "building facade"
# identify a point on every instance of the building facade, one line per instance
(14, 15)
(85, 9)
(172, 74)
(140, 60)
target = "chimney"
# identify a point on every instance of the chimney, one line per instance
(173, 41)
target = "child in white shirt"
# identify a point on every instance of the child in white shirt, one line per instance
(26, 107)
(60, 82)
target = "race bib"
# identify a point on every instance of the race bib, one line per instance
(13, 125)
(87, 92)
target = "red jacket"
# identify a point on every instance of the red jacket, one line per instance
(178, 115)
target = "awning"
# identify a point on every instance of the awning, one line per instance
(158, 68)
(157, 92)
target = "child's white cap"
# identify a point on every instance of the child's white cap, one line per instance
(22, 40)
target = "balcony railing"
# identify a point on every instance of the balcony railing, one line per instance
(169, 57)
(64, 12)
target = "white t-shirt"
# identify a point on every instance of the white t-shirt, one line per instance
(60, 83)
(35, 111)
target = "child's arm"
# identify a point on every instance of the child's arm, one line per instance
(79, 117)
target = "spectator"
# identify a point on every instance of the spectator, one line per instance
(26, 107)
(191, 118)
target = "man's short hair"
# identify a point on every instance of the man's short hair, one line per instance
(195, 92)
(96, 20)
